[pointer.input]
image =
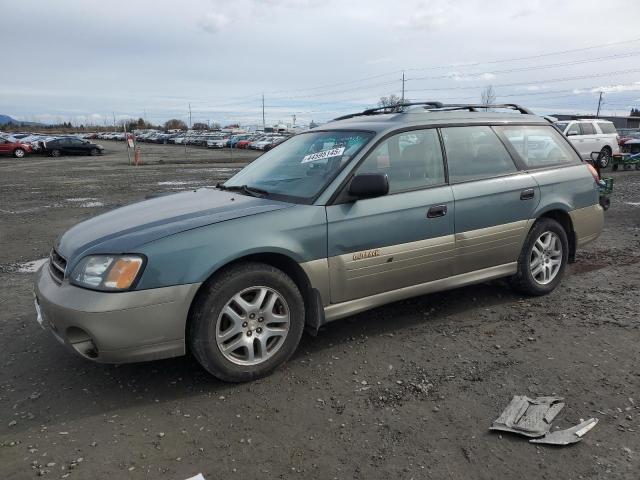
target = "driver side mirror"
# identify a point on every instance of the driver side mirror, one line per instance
(595, 156)
(571, 133)
(369, 185)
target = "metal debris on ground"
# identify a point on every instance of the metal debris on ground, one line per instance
(197, 477)
(530, 417)
(568, 436)
(533, 417)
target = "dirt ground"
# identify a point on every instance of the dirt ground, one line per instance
(404, 391)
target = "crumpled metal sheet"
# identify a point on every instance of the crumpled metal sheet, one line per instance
(567, 436)
(529, 417)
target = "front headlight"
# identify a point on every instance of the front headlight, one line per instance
(108, 272)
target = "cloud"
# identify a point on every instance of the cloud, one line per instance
(631, 87)
(213, 22)
(426, 18)
(468, 77)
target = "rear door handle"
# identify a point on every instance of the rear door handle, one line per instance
(527, 194)
(437, 211)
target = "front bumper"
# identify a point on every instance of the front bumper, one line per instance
(120, 327)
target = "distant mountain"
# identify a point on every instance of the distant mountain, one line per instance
(5, 119)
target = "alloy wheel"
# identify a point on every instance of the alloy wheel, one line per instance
(252, 326)
(546, 258)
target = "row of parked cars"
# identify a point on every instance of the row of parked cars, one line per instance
(20, 145)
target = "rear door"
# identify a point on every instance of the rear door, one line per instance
(493, 199)
(590, 140)
(401, 239)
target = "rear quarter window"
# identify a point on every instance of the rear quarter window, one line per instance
(539, 146)
(606, 127)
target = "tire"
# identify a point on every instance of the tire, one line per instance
(615, 168)
(19, 153)
(527, 280)
(94, 152)
(232, 341)
(605, 157)
(605, 202)
(55, 152)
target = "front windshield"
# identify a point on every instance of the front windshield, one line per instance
(300, 167)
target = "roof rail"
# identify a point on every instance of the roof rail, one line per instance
(435, 107)
(476, 107)
(397, 108)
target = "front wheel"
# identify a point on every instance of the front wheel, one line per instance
(94, 152)
(605, 157)
(55, 153)
(246, 322)
(19, 153)
(543, 259)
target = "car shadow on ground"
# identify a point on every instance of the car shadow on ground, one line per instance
(78, 388)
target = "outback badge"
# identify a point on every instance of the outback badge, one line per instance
(366, 254)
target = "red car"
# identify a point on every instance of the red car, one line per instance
(17, 149)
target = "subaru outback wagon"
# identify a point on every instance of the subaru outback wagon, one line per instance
(369, 209)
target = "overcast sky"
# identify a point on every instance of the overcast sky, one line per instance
(89, 60)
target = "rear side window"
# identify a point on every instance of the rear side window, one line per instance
(587, 129)
(474, 153)
(539, 146)
(607, 127)
(410, 159)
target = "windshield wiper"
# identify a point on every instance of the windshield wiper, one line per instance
(246, 189)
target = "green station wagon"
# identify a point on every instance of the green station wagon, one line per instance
(368, 209)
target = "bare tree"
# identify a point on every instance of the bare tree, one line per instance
(390, 101)
(175, 124)
(488, 96)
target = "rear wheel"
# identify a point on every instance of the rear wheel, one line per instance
(543, 259)
(605, 157)
(246, 322)
(19, 153)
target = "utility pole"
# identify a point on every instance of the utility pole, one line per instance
(599, 105)
(114, 119)
(189, 116)
(403, 81)
(263, 122)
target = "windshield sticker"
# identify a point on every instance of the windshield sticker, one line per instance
(334, 152)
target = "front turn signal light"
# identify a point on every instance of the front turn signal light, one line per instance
(123, 273)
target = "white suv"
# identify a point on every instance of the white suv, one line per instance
(592, 136)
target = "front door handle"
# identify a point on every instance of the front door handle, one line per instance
(527, 194)
(437, 211)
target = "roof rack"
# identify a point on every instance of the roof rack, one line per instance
(398, 108)
(476, 107)
(436, 107)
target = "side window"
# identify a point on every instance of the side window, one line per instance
(574, 129)
(607, 127)
(539, 146)
(474, 153)
(410, 159)
(587, 129)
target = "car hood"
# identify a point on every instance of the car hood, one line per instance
(123, 229)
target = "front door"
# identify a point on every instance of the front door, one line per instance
(402, 239)
(5, 146)
(493, 200)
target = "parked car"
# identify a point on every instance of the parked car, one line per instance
(274, 142)
(246, 142)
(71, 146)
(15, 147)
(220, 142)
(370, 209)
(592, 136)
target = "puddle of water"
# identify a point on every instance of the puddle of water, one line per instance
(190, 182)
(32, 266)
(80, 199)
(633, 204)
(91, 204)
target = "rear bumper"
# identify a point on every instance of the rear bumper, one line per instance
(115, 327)
(587, 223)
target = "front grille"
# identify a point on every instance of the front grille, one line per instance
(57, 266)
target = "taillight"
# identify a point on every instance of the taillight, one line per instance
(594, 172)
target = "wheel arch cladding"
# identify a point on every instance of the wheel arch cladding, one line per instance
(314, 312)
(564, 219)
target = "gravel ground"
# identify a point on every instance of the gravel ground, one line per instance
(404, 391)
